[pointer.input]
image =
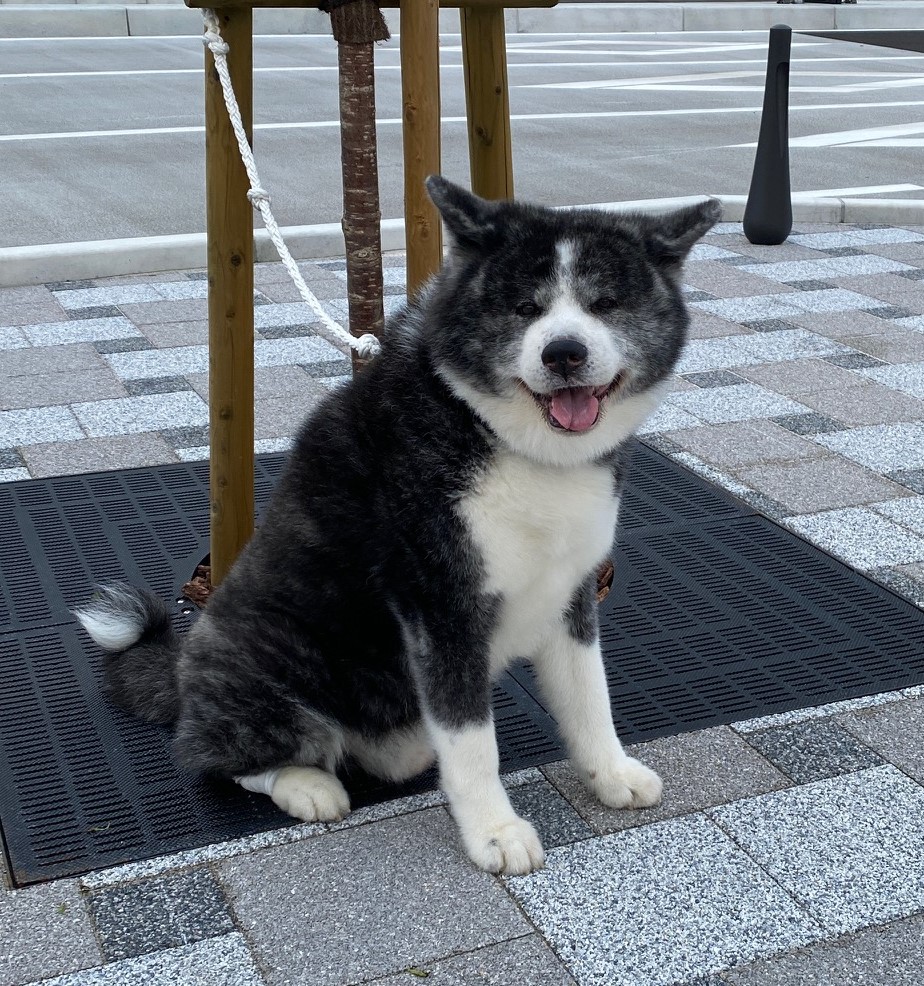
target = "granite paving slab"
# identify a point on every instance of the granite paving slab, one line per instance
(658, 905)
(892, 954)
(850, 849)
(894, 731)
(366, 902)
(700, 769)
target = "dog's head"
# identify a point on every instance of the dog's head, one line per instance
(556, 327)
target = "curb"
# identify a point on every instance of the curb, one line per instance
(48, 262)
(39, 20)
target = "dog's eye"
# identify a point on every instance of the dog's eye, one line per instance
(605, 303)
(528, 309)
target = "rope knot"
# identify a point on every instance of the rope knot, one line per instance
(215, 43)
(258, 196)
(367, 346)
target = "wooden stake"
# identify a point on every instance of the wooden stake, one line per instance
(229, 221)
(484, 60)
(420, 80)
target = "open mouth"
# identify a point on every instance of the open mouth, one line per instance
(575, 409)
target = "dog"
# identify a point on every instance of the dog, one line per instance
(440, 515)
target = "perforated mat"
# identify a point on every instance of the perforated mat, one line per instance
(716, 614)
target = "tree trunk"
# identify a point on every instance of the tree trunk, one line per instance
(356, 26)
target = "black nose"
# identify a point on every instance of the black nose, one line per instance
(564, 356)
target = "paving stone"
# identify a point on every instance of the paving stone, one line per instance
(131, 415)
(781, 251)
(63, 387)
(908, 512)
(761, 306)
(853, 361)
(172, 335)
(12, 338)
(44, 931)
(810, 751)
(27, 426)
(79, 330)
(907, 377)
(695, 464)
(41, 308)
(557, 823)
(804, 376)
(895, 731)
(860, 536)
(186, 437)
(699, 769)
(771, 325)
(739, 403)
(703, 326)
(714, 378)
(157, 385)
(724, 282)
(164, 912)
(96, 311)
(217, 962)
(884, 448)
(743, 443)
(97, 455)
(843, 847)
(753, 349)
(819, 484)
(911, 253)
(126, 345)
(893, 955)
(837, 325)
(810, 423)
(10, 459)
(315, 911)
(893, 344)
(901, 582)
(865, 404)
(278, 417)
(51, 359)
(913, 479)
(13, 475)
(671, 902)
(179, 310)
(522, 962)
(692, 294)
(668, 417)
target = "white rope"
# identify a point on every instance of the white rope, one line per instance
(366, 346)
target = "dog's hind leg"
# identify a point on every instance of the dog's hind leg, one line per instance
(308, 793)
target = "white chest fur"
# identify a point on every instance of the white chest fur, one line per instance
(540, 531)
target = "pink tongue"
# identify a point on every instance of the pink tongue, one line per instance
(575, 408)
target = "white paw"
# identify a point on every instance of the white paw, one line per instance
(512, 848)
(627, 784)
(311, 794)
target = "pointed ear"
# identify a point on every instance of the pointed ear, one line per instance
(670, 237)
(472, 222)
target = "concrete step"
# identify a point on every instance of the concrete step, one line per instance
(113, 18)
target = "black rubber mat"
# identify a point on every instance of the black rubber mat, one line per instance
(716, 614)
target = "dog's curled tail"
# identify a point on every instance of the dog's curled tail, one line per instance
(134, 628)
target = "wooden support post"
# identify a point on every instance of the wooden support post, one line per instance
(420, 80)
(229, 218)
(484, 59)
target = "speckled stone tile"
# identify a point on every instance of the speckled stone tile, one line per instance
(810, 423)
(905, 377)
(222, 961)
(895, 731)
(521, 962)
(179, 310)
(79, 330)
(164, 912)
(97, 455)
(151, 363)
(754, 308)
(664, 904)
(907, 512)
(913, 479)
(819, 484)
(837, 325)
(743, 443)
(723, 281)
(668, 417)
(892, 955)
(843, 847)
(131, 415)
(754, 349)
(38, 360)
(170, 335)
(713, 378)
(44, 931)
(803, 376)
(557, 823)
(813, 750)
(302, 905)
(853, 361)
(699, 769)
(884, 448)
(157, 385)
(27, 426)
(63, 387)
(900, 581)
(27, 313)
(866, 403)
(738, 403)
(705, 326)
(892, 344)
(13, 474)
(860, 536)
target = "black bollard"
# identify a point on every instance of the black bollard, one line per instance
(768, 214)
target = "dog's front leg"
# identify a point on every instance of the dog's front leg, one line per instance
(570, 670)
(495, 837)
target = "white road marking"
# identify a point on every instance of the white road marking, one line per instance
(395, 121)
(846, 137)
(859, 190)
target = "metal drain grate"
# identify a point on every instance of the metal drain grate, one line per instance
(716, 614)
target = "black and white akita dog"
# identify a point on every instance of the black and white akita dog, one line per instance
(441, 515)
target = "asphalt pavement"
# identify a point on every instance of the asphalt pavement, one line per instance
(102, 137)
